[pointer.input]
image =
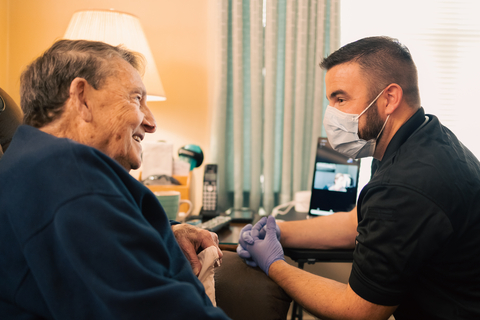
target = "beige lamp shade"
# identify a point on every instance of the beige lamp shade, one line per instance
(114, 27)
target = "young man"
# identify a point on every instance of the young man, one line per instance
(416, 228)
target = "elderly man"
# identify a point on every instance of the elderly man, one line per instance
(79, 237)
(416, 228)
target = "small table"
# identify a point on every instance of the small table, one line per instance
(228, 239)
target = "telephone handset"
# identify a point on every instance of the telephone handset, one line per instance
(210, 191)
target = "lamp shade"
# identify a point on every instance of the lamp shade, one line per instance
(114, 27)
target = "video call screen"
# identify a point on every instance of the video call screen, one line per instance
(335, 181)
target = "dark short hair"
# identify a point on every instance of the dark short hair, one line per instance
(45, 84)
(383, 60)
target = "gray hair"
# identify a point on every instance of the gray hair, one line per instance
(45, 84)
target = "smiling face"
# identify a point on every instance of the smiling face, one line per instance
(120, 116)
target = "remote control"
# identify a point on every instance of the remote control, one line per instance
(215, 224)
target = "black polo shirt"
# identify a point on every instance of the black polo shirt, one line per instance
(418, 243)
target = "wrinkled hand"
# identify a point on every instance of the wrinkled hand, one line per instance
(265, 251)
(192, 240)
(246, 238)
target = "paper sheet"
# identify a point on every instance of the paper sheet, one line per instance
(157, 159)
(209, 259)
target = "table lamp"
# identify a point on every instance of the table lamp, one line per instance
(114, 27)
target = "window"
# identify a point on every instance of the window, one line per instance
(444, 39)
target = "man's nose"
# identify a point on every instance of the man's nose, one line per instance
(149, 122)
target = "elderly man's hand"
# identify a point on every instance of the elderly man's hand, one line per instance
(192, 240)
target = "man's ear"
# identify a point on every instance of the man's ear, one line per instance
(78, 96)
(394, 98)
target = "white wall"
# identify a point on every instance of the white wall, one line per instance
(443, 37)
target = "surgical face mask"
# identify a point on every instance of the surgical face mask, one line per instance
(342, 132)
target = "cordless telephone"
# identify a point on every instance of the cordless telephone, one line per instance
(210, 191)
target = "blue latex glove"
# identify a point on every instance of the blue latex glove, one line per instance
(246, 238)
(267, 251)
(242, 244)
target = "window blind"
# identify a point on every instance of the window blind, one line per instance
(444, 39)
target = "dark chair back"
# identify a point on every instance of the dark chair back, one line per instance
(10, 118)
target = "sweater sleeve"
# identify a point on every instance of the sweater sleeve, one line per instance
(108, 262)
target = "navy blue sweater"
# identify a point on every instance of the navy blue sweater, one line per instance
(82, 239)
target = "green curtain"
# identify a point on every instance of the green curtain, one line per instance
(269, 97)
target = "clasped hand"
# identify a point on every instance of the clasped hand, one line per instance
(192, 240)
(259, 245)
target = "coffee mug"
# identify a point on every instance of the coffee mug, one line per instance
(170, 201)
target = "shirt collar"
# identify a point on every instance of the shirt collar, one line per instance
(405, 132)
